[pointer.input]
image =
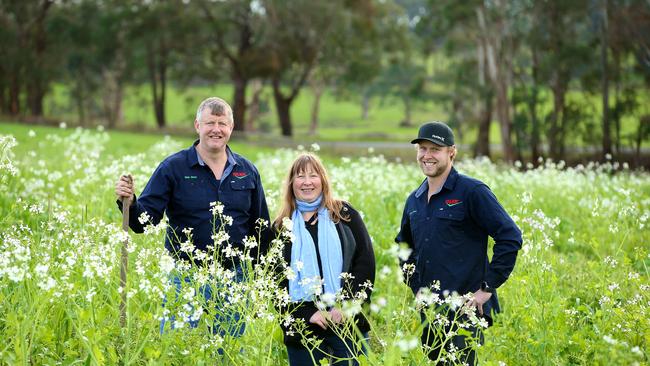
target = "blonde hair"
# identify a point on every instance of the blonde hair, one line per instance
(304, 162)
(217, 106)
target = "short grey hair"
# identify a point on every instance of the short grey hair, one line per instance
(218, 107)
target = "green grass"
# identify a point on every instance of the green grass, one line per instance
(122, 143)
(340, 118)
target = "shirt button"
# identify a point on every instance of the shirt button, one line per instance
(426, 239)
(428, 218)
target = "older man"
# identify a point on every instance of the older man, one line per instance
(186, 183)
(446, 223)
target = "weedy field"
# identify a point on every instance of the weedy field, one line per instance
(579, 294)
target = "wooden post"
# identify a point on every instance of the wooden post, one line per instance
(124, 267)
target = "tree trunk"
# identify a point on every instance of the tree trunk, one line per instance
(282, 105)
(80, 95)
(607, 139)
(532, 108)
(455, 122)
(113, 92)
(38, 79)
(35, 95)
(503, 111)
(495, 40)
(407, 112)
(14, 94)
(112, 97)
(254, 106)
(3, 99)
(317, 89)
(239, 100)
(365, 105)
(642, 132)
(482, 147)
(157, 62)
(562, 137)
(554, 129)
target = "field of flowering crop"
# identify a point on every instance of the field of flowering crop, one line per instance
(579, 294)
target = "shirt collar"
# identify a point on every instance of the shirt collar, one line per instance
(196, 158)
(449, 183)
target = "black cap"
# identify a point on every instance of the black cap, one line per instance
(436, 132)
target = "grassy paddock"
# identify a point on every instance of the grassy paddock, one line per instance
(579, 293)
(340, 118)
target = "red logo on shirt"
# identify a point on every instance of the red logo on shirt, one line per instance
(451, 203)
(240, 175)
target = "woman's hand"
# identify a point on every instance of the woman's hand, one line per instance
(336, 316)
(319, 318)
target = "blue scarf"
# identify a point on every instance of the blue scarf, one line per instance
(302, 287)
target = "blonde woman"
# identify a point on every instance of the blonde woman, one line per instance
(329, 239)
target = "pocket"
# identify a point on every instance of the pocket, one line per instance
(451, 226)
(241, 191)
(453, 215)
(193, 195)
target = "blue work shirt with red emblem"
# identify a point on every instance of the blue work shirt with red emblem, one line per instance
(183, 187)
(448, 235)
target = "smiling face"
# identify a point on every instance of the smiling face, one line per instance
(434, 160)
(214, 131)
(307, 184)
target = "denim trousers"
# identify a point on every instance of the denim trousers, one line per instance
(226, 320)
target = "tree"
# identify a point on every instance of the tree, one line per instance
(163, 29)
(295, 47)
(234, 35)
(497, 40)
(452, 28)
(30, 64)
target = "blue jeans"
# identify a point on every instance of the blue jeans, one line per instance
(226, 321)
(343, 352)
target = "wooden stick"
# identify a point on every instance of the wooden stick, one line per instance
(124, 267)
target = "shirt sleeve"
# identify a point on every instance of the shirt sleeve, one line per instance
(488, 213)
(260, 210)
(153, 200)
(363, 262)
(405, 236)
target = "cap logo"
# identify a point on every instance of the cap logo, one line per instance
(438, 137)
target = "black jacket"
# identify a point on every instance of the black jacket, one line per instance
(358, 260)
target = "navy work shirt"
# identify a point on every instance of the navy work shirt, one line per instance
(449, 233)
(183, 187)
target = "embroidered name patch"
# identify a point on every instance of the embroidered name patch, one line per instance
(451, 203)
(190, 177)
(240, 175)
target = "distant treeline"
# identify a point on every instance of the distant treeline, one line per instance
(544, 70)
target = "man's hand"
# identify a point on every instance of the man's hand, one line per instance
(319, 318)
(124, 187)
(480, 298)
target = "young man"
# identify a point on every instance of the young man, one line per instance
(446, 223)
(186, 183)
